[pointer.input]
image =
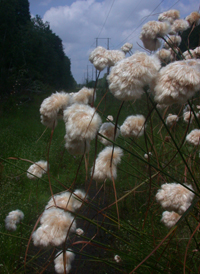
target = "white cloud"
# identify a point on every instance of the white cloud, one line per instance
(81, 22)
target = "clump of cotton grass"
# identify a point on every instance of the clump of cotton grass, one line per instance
(177, 82)
(59, 261)
(83, 96)
(193, 137)
(67, 200)
(114, 56)
(192, 54)
(151, 32)
(81, 122)
(76, 146)
(55, 226)
(36, 170)
(98, 58)
(108, 130)
(175, 197)
(164, 55)
(127, 47)
(169, 16)
(179, 25)
(54, 103)
(79, 231)
(172, 41)
(170, 218)
(133, 126)
(188, 116)
(147, 155)
(13, 218)
(129, 76)
(171, 119)
(106, 164)
(193, 18)
(117, 258)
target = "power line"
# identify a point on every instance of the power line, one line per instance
(106, 18)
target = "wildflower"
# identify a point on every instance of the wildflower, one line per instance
(99, 58)
(59, 261)
(37, 169)
(51, 105)
(175, 197)
(171, 119)
(127, 47)
(193, 18)
(109, 118)
(13, 218)
(179, 25)
(54, 228)
(106, 163)
(83, 96)
(108, 130)
(188, 116)
(117, 258)
(67, 200)
(128, 77)
(169, 219)
(150, 33)
(76, 147)
(164, 55)
(192, 54)
(79, 231)
(133, 126)
(81, 122)
(48, 122)
(177, 82)
(169, 16)
(194, 137)
(172, 41)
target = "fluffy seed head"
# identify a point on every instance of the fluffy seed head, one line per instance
(169, 219)
(177, 82)
(114, 56)
(37, 169)
(192, 54)
(172, 41)
(175, 197)
(103, 168)
(109, 118)
(108, 130)
(133, 126)
(129, 76)
(81, 122)
(169, 16)
(194, 137)
(179, 25)
(48, 122)
(98, 57)
(164, 55)
(193, 18)
(76, 147)
(13, 218)
(55, 225)
(126, 47)
(188, 116)
(150, 33)
(59, 261)
(83, 96)
(171, 119)
(51, 105)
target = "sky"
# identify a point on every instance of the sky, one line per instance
(79, 22)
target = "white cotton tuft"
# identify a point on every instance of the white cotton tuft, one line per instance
(37, 170)
(169, 16)
(172, 41)
(164, 55)
(13, 218)
(127, 47)
(169, 219)
(171, 119)
(108, 130)
(83, 96)
(179, 25)
(59, 261)
(133, 126)
(81, 122)
(193, 18)
(193, 137)
(55, 226)
(98, 57)
(129, 76)
(103, 168)
(175, 197)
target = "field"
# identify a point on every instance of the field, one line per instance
(130, 228)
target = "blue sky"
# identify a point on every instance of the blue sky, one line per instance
(79, 22)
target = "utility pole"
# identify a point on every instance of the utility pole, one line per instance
(108, 39)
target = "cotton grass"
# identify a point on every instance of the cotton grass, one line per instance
(169, 219)
(133, 126)
(193, 18)
(13, 218)
(108, 130)
(193, 137)
(127, 47)
(37, 170)
(171, 119)
(169, 16)
(83, 96)
(59, 261)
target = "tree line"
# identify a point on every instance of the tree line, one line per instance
(31, 55)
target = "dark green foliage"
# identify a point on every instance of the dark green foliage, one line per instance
(190, 38)
(29, 51)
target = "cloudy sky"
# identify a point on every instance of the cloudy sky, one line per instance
(78, 23)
